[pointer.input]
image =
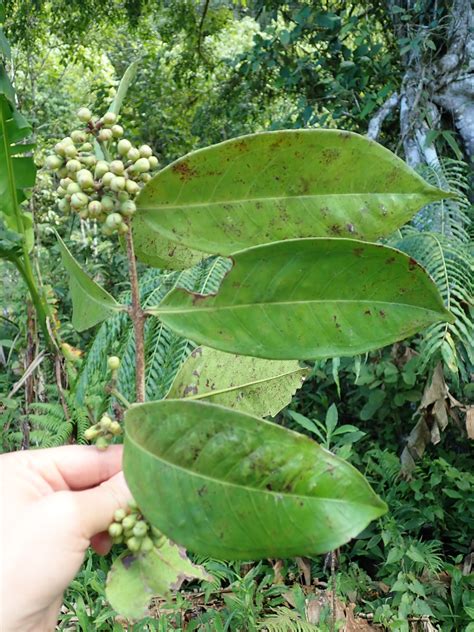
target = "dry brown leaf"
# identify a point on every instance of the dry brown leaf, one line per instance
(470, 422)
(305, 567)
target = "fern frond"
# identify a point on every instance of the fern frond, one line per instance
(285, 620)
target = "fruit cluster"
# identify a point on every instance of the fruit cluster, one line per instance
(103, 189)
(103, 432)
(130, 528)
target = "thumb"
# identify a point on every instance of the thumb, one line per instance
(96, 506)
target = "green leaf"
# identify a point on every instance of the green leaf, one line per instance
(91, 304)
(135, 578)
(232, 486)
(331, 418)
(125, 83)
(304, 422)
(252, 385)
(282, 185)
(309, 298)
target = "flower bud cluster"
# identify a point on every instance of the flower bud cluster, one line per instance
(103, 190)
(129, 527)
(103, 432)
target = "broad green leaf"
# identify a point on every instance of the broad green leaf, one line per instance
(282, 185)
(232, 486)
(125, 83)
(252, 385)
(91, 304)
(134, 579)
(159, 252)
(309, 298)
(10, 242)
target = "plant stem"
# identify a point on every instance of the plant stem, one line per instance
(24, 268)
(118, 395)
(138, 318)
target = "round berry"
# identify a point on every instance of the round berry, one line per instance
(140, 529)
(95, 208)
(101, 443)
(147, 545)
(84, 115)
(78, 137)
(129, 521)
(145, 151)
(73, 165)
(73, 188)
(113, 362)
(113, 220)
(153, 160)
(78, 200)
(124, 146)
(133, 154)
(128, 208)
(54, 162)
(107, 204)
(119, 515)
(117, 131)
(118, 184)
(132, 187)
(108, 178)
(115, 530)
(105, 135)
(116, 166)
(142, 165)
(109, 118)
(101, 169)
(133, 544)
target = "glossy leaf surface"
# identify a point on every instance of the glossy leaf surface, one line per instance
(252, 385)
(282, 185)
(134, 579)
(91, 304)
(232, 486)
(309, 298)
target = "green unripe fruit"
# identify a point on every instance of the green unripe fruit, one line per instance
(133, 154)
(91, 433)
(101, 169)
(107, 204)
(84, 115)
(119, 515)
(62, 173)
(117, 131)
(115, 530)
(108, 232)
(133, 504)
(70, 151)
(113, 362)
(59, 149)
(78, 200)
(78, 137)
(61, 192)
(140, 529)
(64, 206)
(105, 135)
(73, 166)
(124, 146)
(142, 165)
(153, 160)
(132, 187)
(113, 220)
(145, 151)
(95, 208)
(145, 177)
(89, 161)
(133, 544)
(65, 182)
(128, 208)
(123, 228)
(118, 184)
(116, 166)
(86, 147)
(147, 545)
(105, 422)
(129, 521)
(73, 188)
(101, 443)
(109, 118)
(115, 428)
(83, 213)
(122, 196)
(54, 162)
(85, 179)
(67, 141)
(107, 178)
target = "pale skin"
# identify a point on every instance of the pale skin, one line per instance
(54, 504)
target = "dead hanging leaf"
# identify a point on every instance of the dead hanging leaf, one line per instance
(305, 567)
(470, 422)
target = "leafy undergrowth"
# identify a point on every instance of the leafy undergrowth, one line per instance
(411, 570)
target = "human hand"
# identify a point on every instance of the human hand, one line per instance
(54, 503)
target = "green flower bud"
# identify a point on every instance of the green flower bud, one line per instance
(113, 220)
(101, 169)
(145, 177)
(70, 151)
(116, 166)
(128, 208)
(107, 204)
(73, 188)
(54, 162)
(113, 362)
(101, 443)
(153, 160)
(129, 521)
(73, 165)
(107, 178)
(133, 154)
(91, 433)
(147, 545)
(105, 135)
(78, 137)
(119, 515)
(109, 118)
(133, 544)
(78, 200)
(118, 184)
(117, 131)
(86, 147)
(140, 529)
(145, 151)
(105, 422)
(124, 146)
(115, 428)
(84, 115)
(115, 530)
(95, 208)
(142, 165)
(85, 179)
(132, 187)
